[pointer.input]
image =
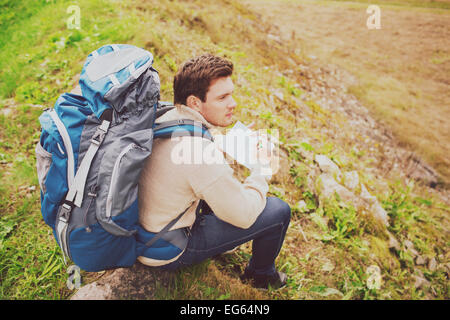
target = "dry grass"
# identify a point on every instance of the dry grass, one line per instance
(402, 69)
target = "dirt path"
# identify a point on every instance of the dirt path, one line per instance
(402, 70)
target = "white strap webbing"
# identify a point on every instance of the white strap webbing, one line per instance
(76, 190)
(131, 68)
(114, 80)
(67, 144)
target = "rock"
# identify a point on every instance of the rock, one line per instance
(432, 264)
(136, 282)
(410, 248)
(329, 186)
(379, 213)
(373, 281)
(366, 196)
(420, 282)
(420, 260)
(351, 180)
(375, 208)
(413, 252)
(302, 206)
(408, 244)
(94, 291)
(328, 166)
(393, 243)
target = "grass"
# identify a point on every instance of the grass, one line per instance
(329, 245)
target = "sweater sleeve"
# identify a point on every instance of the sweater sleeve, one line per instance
(231, 201)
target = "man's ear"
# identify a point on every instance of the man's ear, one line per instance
(193, 102)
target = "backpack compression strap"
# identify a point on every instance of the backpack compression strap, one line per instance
(76, 190)
(166, 228)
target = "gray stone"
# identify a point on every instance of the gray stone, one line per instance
(393, 243)
(329, 186)
(351, 180)
(377, 210)
(420, 260)
(408, 244)
(410, 248)
(328, 166)
(432, 264)
(94, 291)
(366, 196)
(301, 205)
(379, 213)
(420, 282)
(136, 282)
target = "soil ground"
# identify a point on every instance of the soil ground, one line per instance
(402, 69)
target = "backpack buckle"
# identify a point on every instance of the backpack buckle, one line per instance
(100, 133)
(66, 210)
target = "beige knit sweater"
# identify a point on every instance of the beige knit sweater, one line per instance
(170, 183)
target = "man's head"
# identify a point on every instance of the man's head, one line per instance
(204, 84)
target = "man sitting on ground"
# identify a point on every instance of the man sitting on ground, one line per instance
(232, 213)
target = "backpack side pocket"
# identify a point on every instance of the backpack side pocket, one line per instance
(118, 182)
(43, 163)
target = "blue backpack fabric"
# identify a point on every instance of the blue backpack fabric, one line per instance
(89, 158)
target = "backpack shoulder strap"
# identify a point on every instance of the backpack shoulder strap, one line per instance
(181, 127)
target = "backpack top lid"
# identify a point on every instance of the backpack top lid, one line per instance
(119, 77)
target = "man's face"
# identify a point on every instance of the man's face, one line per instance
(219, 103)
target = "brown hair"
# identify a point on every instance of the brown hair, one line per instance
(196, 75)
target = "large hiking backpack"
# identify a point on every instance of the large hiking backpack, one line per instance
(90, 155)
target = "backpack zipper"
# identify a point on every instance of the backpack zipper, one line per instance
(91, 194)
(112, 185)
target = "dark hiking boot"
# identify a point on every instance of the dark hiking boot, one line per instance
(275, 281)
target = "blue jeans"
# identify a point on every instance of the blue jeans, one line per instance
(211, 236)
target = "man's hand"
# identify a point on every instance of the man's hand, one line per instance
(264, 150)
(264, 156)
